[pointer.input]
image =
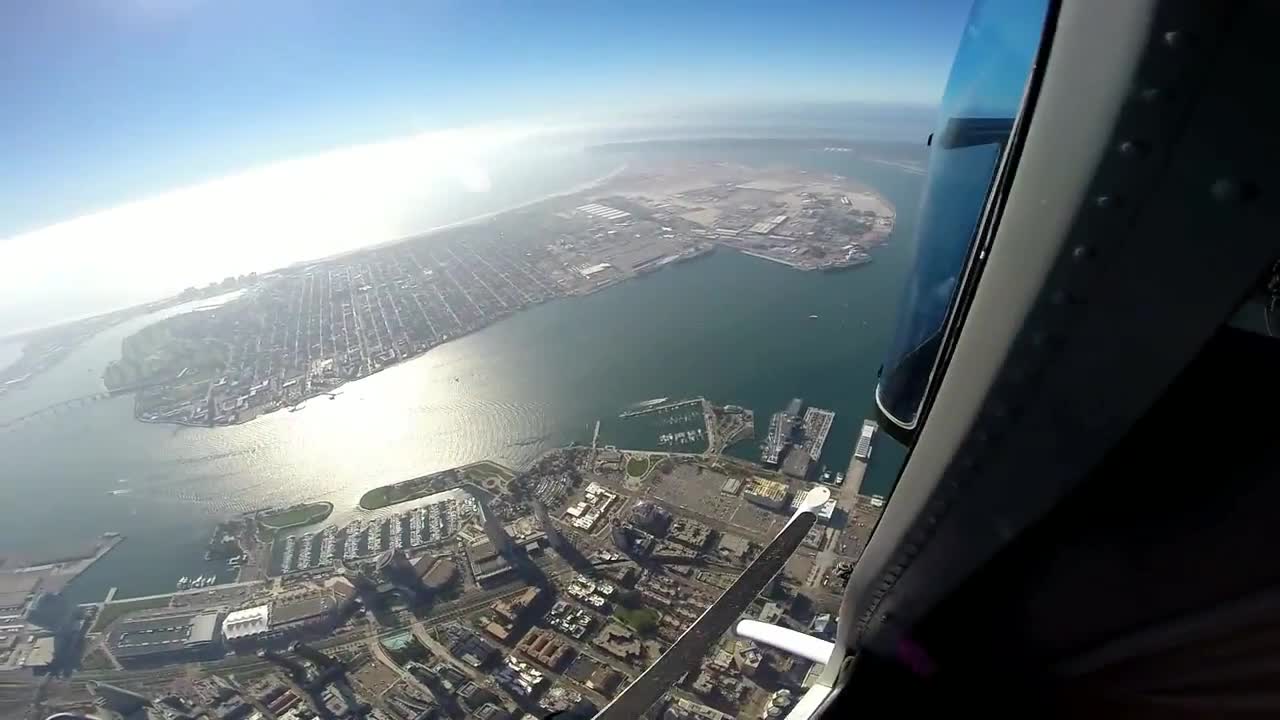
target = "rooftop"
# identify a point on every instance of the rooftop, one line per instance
(619, 641)
(688, 532)
(136, 638)
(769, 489)
(41, 653)
(244, 623)
(485, 561)
(546, 647)
(301, 609)
(512, 608)
(733, 545)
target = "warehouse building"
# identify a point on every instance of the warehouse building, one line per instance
(766, 493)
(488, 566)
(285, 617)
(172, 638)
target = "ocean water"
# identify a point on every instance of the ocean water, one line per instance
(733, 328)
(9, 352)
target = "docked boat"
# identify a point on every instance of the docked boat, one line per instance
(776, 440)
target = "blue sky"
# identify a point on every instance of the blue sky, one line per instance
(111, 100)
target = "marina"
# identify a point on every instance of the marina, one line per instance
(546, 397)
(435, 519)
(656, 424)
(195, 583)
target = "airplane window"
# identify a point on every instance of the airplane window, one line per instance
(442, 362)
(976, 117)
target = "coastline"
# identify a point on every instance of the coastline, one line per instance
(436, 422)
(113, 317)
(876, 238)
(330, 390)
(127, 311)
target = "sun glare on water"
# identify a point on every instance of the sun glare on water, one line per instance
(307, 207)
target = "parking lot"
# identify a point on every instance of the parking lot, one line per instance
(698, 489)
(695, 488)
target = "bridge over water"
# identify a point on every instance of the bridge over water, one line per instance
(59, 408)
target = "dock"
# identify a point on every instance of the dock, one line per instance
(662, 408)
(854, 474)
(861, 456)
(771, 258)
(54, 574)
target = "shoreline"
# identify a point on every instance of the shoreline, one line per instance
(131, 312)
(166, 301)
(460, 471)
(691, 253)
(330, 391)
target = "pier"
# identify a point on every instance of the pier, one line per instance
(861, 456)
(662, 408)
(55, 574)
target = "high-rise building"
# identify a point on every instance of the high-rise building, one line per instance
(50, 611)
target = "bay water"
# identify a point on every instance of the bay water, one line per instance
(733, 328)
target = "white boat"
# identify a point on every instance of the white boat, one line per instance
(183, 581)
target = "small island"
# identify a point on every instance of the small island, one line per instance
(296, 516)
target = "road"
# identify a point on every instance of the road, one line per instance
(244, 665)
(439, 650)
(379, 653)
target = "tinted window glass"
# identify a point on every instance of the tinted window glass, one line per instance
(981, 100)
